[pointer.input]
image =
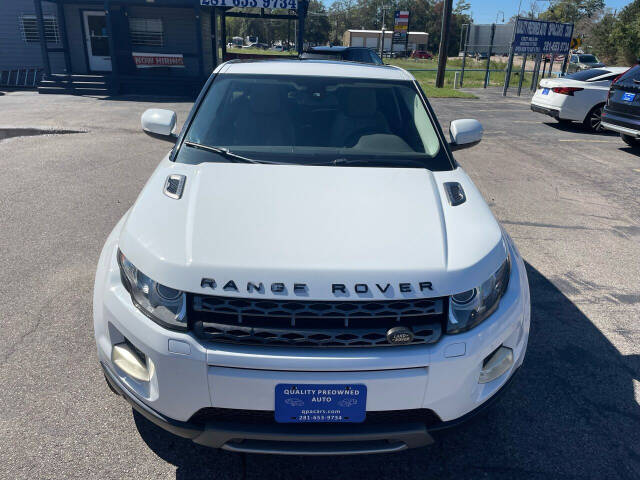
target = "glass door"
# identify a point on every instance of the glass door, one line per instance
(97, 41)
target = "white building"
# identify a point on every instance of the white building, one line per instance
(371, 39)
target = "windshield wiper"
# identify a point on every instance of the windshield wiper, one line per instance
(376, 161)
(223, 152)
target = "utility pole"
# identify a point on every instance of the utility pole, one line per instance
(444, 43)
(384, 9)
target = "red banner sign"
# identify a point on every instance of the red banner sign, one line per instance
(149, 60)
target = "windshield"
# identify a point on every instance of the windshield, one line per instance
(314, 120)
(588, 59)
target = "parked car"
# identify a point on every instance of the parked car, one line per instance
(309, 270)
(622, 112)
(422, 54)
(350, 54)
(578, 97)
(583, 61)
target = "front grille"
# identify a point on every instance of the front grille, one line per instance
(314, 323)
(266, 417)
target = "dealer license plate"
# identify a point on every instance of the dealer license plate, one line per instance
(299, 403)
(628, 97)
(545, 91)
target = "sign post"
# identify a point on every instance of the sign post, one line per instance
(507, 77)
(487, 73)
(400, 29)
(523, 68)
(464, 52)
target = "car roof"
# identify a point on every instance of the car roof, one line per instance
(614, 69)
(326, 49)
(319, 68)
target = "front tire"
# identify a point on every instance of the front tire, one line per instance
(593, 120)
(633, 142)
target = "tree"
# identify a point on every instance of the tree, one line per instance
(626, 33)
(602, 38)
(462, 7)
(571, 11)
(426, 16)
(317, 27)
(616, 38)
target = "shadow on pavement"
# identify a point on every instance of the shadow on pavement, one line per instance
(575, 127)
(571, 413)
(633, 151)
(148, 98)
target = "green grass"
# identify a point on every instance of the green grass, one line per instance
(431, 91)
(472, 79)
(428, 79)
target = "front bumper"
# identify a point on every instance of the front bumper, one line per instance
(305, 439)
(191, 376)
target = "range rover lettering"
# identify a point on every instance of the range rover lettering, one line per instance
(309, 270)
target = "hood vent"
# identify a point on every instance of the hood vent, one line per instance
(455, 193)
(174, 186)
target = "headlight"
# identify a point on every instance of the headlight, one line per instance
(163, 305)
(468, 309)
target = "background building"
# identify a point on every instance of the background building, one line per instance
(105, 47)
(20, 42)
(371, 39)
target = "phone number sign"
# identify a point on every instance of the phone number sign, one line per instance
(282, 4)
(536, 36)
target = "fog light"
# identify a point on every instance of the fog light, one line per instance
(125, 357)
(496, 364)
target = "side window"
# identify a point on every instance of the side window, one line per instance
(574, 59)
(375, 58)
(426, 139)
(357, 56)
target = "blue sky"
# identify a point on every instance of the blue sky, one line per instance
(484, 11)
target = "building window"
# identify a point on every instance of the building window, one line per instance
(146, 32)
(29, 29)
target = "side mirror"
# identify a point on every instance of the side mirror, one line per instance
(465, 133)
(159, 123)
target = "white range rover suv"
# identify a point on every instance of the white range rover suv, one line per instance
(309, 271)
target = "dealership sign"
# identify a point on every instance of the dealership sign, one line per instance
(400, 26)
(150, 60)
(536, 36)
(288, 4)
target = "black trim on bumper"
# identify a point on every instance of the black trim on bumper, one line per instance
(181, 429)
(626, 122)
(283, 439)
(546, 111)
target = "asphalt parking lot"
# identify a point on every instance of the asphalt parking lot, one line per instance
(568, 198)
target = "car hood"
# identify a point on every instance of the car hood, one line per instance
(310, 227)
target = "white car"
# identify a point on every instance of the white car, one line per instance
(578, 97)
(309, 271)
